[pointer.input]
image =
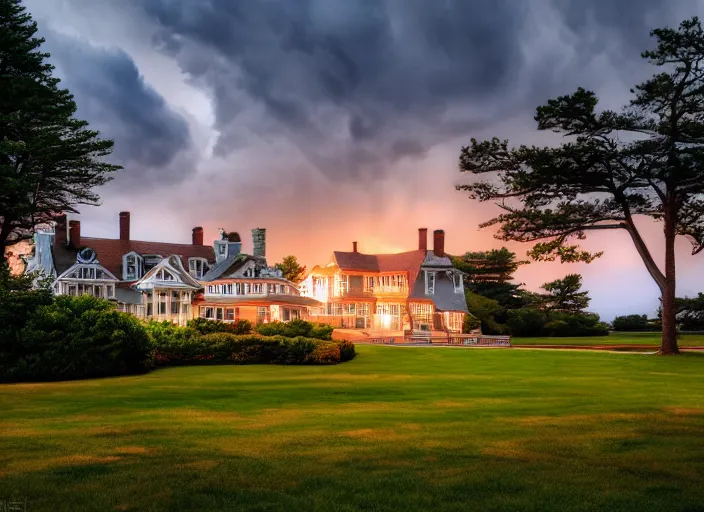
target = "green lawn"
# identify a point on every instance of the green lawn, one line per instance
(633, 338)
(398, 428)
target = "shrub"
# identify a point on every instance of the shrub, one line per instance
(77, 337)
(296, 328)
(632, 323)
(204, 326)
(325, 353)
(222, 347)
(18, 303)
(347, 350)
(321, 331)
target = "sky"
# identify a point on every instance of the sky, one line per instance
(333, 121)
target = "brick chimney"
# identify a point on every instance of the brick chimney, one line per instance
(124, 225)
(439, 243)
(74, 233)
(422, 239)
(354, 246)
(259, 242)
(197, 236)
(61, 231)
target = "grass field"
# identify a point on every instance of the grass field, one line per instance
(398, 428)
(633, 338)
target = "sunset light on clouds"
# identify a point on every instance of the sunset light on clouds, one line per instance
(328, 121)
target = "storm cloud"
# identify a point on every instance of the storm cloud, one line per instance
(113, 96)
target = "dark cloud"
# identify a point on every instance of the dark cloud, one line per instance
(351, 83)
(359, 84)
(112, 95)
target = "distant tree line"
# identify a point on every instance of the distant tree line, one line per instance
(500, 306)
(689, 316)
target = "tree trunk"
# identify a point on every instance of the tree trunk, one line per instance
(668, 345)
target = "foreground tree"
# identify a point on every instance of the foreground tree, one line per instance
(565, 295)
(291, 269)
(599, 180)
(49, 161)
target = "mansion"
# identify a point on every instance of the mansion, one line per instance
(166, 281)
(418, 290)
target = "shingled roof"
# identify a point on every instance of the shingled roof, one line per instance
(402, 262)
(110, 252)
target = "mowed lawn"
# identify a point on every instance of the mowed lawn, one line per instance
(398, 428)
(616, 338)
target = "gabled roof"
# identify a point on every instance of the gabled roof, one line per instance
(228, 266)
(173, 265)
(111, 251)
(402, 262)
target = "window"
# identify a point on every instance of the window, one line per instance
(197, 267)
(369, 284)
(286, 314)
(271, 288)
(350, 309)
(165, 275)
(151, 261)
(457, 281)
(132, 266)
(221, 248)
(174, 307)
(363, 309)
(295, 314)
(257, 289)
(230, 314)
(342, 284)
(429, 282)
(247, 288)
(282, 289)
(185, 307)
(218, 314)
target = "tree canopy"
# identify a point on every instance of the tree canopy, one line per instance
(489, 274)
(565, 295)
(49, 160)
(644, 160)
(291, 269)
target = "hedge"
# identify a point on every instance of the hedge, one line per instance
(217, 348)
(76, 338)
(296, 328)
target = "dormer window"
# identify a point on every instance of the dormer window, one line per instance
(457, 281)
(132, 266)
(197, 267)
(429, 282)
(151, 261)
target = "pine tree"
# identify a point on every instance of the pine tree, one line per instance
(602, 180)
(49, 160)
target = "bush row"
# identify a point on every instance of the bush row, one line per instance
(529, 322)
(292, 329)
(222, 347)
(83, 337)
